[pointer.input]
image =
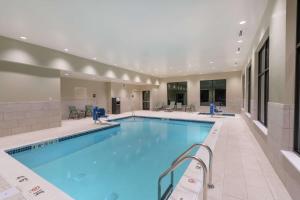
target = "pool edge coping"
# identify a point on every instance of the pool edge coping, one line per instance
(50, 186)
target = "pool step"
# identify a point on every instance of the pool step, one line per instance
(167, 193)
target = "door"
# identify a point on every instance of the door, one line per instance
(146, 100)
(180, 98)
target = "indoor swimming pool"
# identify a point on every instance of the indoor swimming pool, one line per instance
(118, 163)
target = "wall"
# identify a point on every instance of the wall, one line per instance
(131, 96)
(79, 93)
(21, 52)
(233, 90)
(279, 24)
(29, 98)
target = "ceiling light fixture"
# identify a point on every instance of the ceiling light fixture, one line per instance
(67, 74)
(211, 62)
(66, 50)
(23, 38)
(243, 22)
(94, 58)
(240, 41)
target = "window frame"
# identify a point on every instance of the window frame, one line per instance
(297, 106)
(263, 73)
(249, 88)
(185, 92)
(212, 90)
(297, 88)
(243, 85)
(146, 99)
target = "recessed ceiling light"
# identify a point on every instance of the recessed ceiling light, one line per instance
(66, 50)
(240, 41)
(242, 22)
(211, 62)
(94, 58)
(67, 74)
(23, 38)
(237, 52)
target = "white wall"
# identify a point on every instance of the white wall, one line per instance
(79, 93)
(131, 96)
(21, 83)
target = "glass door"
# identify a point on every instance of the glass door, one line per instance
(146, 100)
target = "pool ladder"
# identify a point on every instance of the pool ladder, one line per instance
(179, 161)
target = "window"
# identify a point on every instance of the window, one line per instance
(263, 83)
(243, 86)
(297, 88)
(213, 91)
(177, 92)
(249, 88)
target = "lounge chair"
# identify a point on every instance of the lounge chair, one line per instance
(179, 106)
(88, 110)
(171, 107)
(158, 107)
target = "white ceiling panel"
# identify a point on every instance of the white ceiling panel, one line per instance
(159, 37)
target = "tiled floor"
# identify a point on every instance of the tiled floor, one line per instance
(4, 187)
(241, 171)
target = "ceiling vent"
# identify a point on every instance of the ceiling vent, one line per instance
(241, 33)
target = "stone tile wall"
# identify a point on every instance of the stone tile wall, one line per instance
(23, 117)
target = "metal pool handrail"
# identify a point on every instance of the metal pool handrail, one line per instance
(210, 184)
(177, 164)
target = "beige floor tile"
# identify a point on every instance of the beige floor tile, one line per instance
(228, 197)
(258, 193)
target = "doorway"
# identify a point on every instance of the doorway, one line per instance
(146, 100)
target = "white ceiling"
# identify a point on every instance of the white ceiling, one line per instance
(159, 37)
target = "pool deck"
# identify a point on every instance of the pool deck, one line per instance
(241, 171)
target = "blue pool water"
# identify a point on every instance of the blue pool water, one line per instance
(120, 163)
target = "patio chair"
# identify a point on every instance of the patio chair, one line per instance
(193, 108)
(179, 106)
(73, 112)
(190, 108)
(88, 111)
(171, 107)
